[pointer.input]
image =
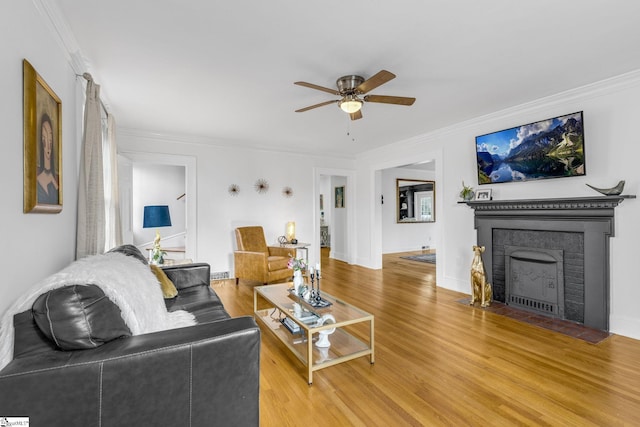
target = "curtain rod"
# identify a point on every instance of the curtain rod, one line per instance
(88, 77)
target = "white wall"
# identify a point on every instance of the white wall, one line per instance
(611, 110)
(402, 237)
(219, 213)
(34, 245)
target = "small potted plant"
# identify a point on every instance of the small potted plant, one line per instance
(466, 193)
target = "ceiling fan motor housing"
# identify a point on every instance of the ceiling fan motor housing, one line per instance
(348, 84)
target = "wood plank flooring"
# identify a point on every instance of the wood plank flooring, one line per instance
(441, 363)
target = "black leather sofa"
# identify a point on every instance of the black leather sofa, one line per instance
(202, 375)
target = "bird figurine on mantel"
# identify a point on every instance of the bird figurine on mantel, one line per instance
(613, 191)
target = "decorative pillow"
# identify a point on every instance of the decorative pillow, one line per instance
(130, 250)
(168, 288)
(78, 317)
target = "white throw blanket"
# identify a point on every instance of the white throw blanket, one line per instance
(125, 280)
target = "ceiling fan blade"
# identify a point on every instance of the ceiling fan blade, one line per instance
(374, 81)
(322, 88)
(398, 100)
(311, 107)
(357, 115)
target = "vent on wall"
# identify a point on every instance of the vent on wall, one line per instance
(220, 275)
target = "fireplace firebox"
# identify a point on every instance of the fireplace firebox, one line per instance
(534, 279)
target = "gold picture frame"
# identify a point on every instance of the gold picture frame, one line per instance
(42, 144)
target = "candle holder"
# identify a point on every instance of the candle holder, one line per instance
(313, 291)
(318, 297)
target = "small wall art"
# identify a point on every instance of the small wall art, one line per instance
(339, 194)
(234, 189)
(287, 192)
(261, 186)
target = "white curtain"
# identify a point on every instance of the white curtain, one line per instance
(90, 237)
(112, 201)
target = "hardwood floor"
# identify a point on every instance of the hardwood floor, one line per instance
(440, 362)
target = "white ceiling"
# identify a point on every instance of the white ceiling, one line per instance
(223, 71)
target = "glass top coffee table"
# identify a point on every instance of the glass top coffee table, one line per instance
(303, 330)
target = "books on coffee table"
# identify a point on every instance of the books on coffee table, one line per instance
(307, 317)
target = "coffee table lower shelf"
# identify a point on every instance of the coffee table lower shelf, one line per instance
(344, 346)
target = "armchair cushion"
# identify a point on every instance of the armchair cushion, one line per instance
(280, 251)
(277, 263)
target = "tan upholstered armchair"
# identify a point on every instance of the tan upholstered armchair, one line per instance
(254, 260)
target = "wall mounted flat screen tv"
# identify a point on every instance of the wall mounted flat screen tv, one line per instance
(552, 148)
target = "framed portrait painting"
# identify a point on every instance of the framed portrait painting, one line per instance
(339, 194)
(42, 144)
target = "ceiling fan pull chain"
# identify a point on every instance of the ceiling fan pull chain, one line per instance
(353, 139)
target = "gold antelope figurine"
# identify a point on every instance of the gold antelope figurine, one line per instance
(480, 288)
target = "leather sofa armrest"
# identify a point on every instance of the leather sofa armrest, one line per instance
(187, 275)
(207, 374)
(280, 251)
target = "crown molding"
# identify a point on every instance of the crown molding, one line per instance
(62, 34)
(210, 142)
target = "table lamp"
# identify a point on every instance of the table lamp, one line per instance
(290, 232)
(155, 217)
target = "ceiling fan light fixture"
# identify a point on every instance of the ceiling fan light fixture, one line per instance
(350, 104)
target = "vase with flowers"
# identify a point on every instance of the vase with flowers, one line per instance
(298, 265)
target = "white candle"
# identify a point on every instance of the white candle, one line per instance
(310, 270)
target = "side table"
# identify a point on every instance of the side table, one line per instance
(299, 247)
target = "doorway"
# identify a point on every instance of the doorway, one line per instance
(334, 213)
(167, 180)
(399, 235)
(385, 237)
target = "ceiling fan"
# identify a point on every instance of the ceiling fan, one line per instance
(351, 87)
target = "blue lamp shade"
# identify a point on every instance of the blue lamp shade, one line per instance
(156, 216)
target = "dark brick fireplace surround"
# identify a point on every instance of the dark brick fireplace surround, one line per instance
(579, 228)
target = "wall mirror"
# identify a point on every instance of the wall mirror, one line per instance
(416, 200)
